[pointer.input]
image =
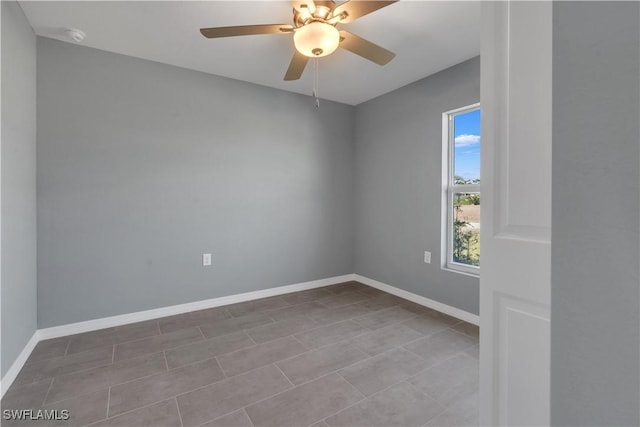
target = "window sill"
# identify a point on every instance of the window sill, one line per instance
(465, 273)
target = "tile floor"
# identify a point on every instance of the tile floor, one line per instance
(343, 355)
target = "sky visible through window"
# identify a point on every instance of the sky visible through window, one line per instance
(466, 132)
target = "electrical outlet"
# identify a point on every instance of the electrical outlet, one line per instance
(427, 257)
(206, 260)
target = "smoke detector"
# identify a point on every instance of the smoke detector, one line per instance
(74, 35)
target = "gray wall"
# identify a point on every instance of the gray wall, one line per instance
(398, 184)
(595, 217)
(142, 167)
(18, 177)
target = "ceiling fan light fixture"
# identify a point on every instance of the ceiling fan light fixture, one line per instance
(316, 39)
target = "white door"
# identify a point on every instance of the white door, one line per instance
(516, 202)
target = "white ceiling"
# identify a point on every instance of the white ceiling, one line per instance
(427, 36)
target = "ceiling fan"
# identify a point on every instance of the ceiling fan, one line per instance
(315, 33)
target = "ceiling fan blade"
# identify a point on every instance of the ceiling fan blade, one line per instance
(365, 48)
(296, 67)
(246, 30)
(355, 9)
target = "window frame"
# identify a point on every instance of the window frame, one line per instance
(449, 188)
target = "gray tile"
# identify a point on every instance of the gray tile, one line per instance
(244, 308)
(235, 419)
(369, 291)
(449, 418)
(281, 328)
(234, 324)
(467, 405)
(210, 314)
(344, 298)
(343, 287)
(426, 325)
(163, 414)
(226, 396)
(429, 312)
(195, 318)
(383, 318)
(306, 296)
(308, 308)
(157, 343)
(259, 355)
(449, 380)
(47, 349)
(48, 368)
(464, 412)
(330, 334)
(320, 424)
(386, 338)
(353, 287)
(317, 363)
(91, 340)
(109, 336)
(82, 378)
(381, 302)
(473, 351)
(74, 384)
(176, 322)
(136, 331)
(379, 372)
(84, 409)
(136, 394)
(444, 317)
(305, 404)
(418, 308)
(339, 314)
(400, 405)
(440, 346)
(468, 329)
(202, 350)
(85, 360)
(30, 396)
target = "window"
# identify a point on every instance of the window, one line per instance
(461, 190)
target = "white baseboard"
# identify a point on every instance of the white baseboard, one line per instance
(418, 299)
(17, 365)
(124, 319)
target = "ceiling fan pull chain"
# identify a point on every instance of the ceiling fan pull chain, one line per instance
(313, 91)
(316, 70)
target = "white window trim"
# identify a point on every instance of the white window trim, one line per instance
(448, 189)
